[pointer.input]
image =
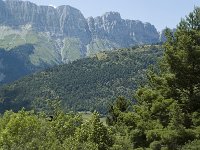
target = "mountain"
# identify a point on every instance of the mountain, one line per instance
(66, 21)
(125, 33)
(62, 35)
(24, 52)
(14, 63)
(85, 84)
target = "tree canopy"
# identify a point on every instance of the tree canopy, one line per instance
(167, 110)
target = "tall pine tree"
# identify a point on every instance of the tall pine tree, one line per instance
(167, 113)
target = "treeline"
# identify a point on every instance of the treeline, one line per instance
(86, 84)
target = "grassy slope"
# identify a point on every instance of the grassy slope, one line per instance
(44, 45)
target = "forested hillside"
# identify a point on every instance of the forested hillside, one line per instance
(87, 84)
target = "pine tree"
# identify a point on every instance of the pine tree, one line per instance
(183, 57)
(167, 108)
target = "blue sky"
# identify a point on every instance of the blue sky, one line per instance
(160, 13)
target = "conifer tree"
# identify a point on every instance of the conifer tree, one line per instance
(167, 108)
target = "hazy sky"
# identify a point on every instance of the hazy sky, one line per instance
(160, 13)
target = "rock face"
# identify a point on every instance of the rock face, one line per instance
(62, 21)
(66, 21)
(112, 27)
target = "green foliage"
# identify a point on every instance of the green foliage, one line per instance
(164, 117)
(116, 111)
(99, 134)
(194, 145)
(166, 113)
(28, 130)
(72, 143)
(156, 145)
(24, 130)
(88, 84)
(167, 108)
(183, 50)
(95, 132)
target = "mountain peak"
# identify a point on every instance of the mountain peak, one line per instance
(68, 25)
(112, 15)
(67, 7)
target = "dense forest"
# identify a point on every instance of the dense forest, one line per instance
(84, 85)
(164, 116)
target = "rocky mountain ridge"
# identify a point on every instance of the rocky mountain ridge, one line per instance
(62, 35)
(123, 32)
(66, 21)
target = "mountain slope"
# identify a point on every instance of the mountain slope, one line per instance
(16, 63)
(86, 84)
